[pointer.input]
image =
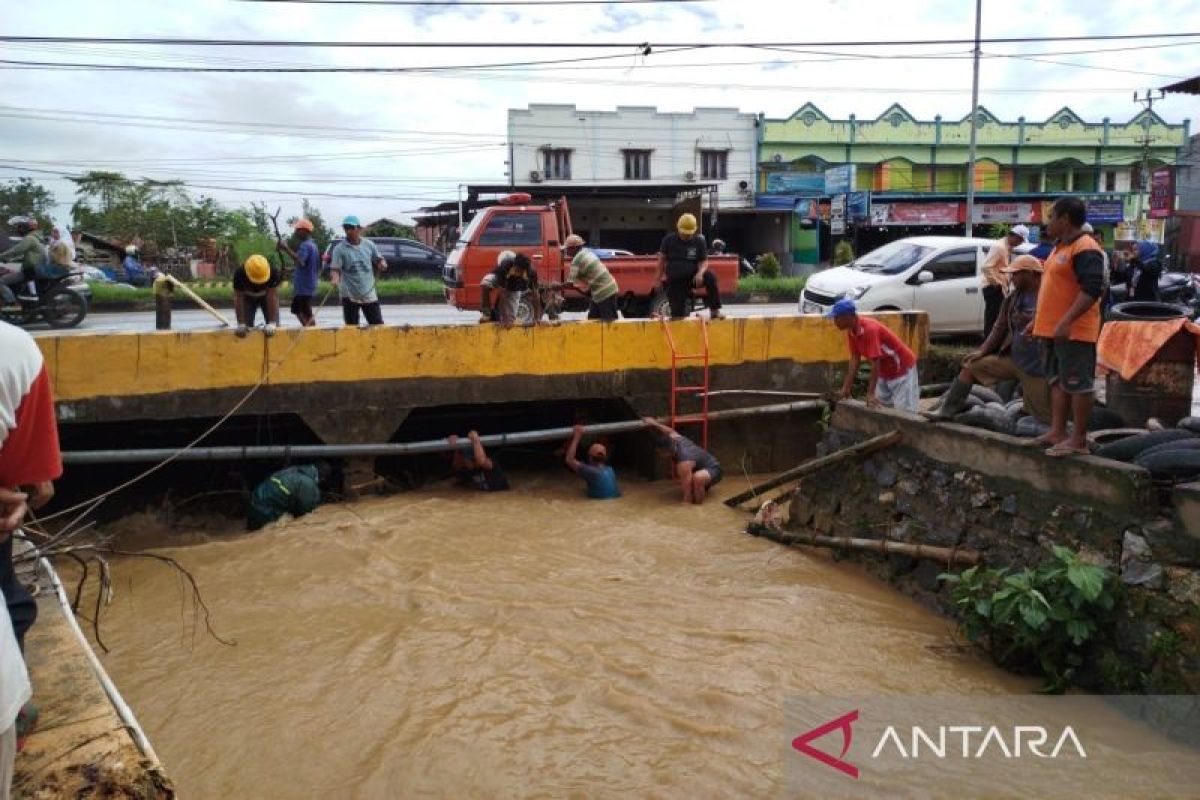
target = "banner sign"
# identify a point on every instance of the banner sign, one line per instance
(884, 214)
(1162, 193)
(1003, 212)
(837, 215)
(858, 206)
(1105, 211)
(840, 180)
(810, 183)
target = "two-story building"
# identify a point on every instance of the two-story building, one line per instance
(913, 173)
(629, 173)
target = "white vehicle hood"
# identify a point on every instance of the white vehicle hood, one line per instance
(838, 280)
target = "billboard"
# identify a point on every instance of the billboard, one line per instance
(885, 214)
(1162, 193)
(840, 180)
(811, 183)
(1002, 212)
(837, 215)
(1105, 211)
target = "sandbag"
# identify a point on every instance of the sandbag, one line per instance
(987, 418)
(1189, 424)
(1007, 390)
(1108, 436)
(1173, 465)
(1029, 427)
(1129, 449)
(985, 394)
(1178, 444)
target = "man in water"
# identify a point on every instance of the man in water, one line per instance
(601, 478)
(477, 471)
(295, 491)
(696, 469)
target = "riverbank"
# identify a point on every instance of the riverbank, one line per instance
(398, 291)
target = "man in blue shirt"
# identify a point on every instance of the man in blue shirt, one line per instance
(308, 270)
(352, 268)
(135, 273)
(601, 478)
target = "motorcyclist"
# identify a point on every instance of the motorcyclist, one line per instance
(135, 273)
(1145, 268)
(30, 251)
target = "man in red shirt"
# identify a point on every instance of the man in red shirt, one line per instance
(29, 456)
(893, 380)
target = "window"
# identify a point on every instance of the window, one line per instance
(513, 228)
(959, 264)
(412, 252)
(386, 249)
(637, 165)
(1110, 181)
(556, 164)
(714, 164)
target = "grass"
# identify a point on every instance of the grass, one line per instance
(109, 294)
(757, 284)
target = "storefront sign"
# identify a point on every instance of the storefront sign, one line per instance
(1100, 212)
(858, 206)
(883, 214)
(1150, 230)
(839, 180)
(1162, 193)
(810, 183)
(1011, 213)
(837, 215)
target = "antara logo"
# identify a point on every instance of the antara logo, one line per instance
(944, 741)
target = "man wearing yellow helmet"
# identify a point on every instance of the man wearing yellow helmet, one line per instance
(683, 263)
(255, 285)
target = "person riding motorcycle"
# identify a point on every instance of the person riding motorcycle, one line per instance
(1145, 268)
(30, 251)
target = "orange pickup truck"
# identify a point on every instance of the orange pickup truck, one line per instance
(539, 231)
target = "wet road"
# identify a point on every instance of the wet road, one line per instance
(431, 314)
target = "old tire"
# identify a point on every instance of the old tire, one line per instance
(1110, 435)
(1129, 449)
(987, 418)
(1175, 465)
(1103, 419)
(1178, 444)
(659, 306)
(985, 394)
(1146, 311)
(1189, 424)
(1030, 428)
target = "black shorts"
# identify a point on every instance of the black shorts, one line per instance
(715, 474)
(1071, 365)
(302, 305)
(605, 310)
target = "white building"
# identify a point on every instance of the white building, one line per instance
(637, 145)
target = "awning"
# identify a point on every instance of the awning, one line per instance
(1189, 86)
(640, 190)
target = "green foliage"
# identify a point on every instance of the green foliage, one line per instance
(24, 197)
(768, 265)
(109, 294)
(757, 284)
(997, 229)
(843, 253)
(260, 243)
(322, 233)
(386, 227)
(1045, 617)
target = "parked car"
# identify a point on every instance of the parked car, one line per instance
(936, 274)
(406, 257)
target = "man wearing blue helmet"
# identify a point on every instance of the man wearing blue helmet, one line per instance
(352, 267)
(893, 380)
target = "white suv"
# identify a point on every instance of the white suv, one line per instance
(936, 274)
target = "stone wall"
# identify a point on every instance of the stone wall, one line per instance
(954, 486)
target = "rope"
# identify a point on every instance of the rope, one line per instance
(268, 370)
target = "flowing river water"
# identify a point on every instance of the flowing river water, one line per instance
(525, 644)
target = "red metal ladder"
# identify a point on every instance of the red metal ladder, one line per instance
(700, 419)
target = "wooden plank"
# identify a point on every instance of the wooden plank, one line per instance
(809, 467)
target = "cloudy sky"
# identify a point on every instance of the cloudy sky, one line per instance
(386, 144)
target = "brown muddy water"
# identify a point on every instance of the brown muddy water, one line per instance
(527, 644)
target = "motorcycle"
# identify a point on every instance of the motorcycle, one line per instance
(59, 303)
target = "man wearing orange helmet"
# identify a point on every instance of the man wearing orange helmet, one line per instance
(308, 270)
(255, 286)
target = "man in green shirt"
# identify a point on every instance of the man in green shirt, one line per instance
(587, 270)
(29, 251)
(295, 491)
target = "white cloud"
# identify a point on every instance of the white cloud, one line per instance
(467, 113)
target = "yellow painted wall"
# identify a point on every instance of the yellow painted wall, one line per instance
(133, 364)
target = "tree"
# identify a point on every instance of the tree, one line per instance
(24, 197)
(387, 227)
(322, 233)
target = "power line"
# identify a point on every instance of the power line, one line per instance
(187, 42)
(469, 3)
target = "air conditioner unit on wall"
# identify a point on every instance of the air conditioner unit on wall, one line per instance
(535, 176)
(689, 176)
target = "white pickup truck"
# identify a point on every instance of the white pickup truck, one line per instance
(936, 274)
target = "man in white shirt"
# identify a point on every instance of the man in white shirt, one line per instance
(15, 690)
(995, 282)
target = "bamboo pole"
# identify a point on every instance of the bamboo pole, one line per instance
(950, 555)
(199, 300)
(808, 467)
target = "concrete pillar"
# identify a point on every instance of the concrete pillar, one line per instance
(348, 425)
(1042, 181)
(1070, 179)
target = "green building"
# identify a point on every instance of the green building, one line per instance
(909, 176)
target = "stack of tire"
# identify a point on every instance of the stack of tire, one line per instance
(1172, 454)
(1004, 412)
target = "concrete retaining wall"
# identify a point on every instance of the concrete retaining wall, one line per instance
(953, 486)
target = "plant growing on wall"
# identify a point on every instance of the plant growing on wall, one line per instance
(768, 265)
(843, 253)
(1043, 618)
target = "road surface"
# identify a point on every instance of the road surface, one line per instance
(331, 317)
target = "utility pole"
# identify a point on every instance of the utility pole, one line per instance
(1148, 100)
(974, 120)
